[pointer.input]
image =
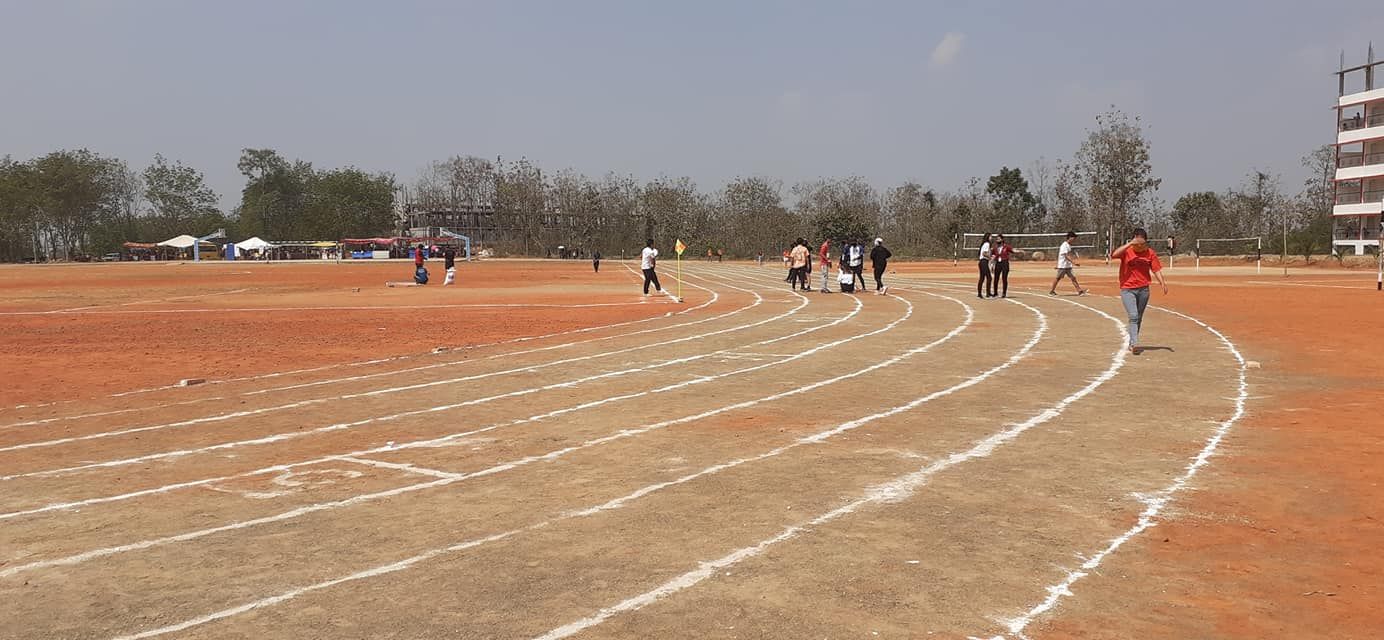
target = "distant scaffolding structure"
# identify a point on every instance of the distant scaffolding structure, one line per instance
(549, 232)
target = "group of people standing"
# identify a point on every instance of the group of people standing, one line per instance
(1139, 268)
(851, 266)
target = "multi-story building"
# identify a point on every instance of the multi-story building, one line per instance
(1359, 156)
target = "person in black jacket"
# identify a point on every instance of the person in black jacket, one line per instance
(879, 257)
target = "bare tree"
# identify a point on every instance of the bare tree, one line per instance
(1115, 165)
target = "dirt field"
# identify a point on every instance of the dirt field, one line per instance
(542, 452)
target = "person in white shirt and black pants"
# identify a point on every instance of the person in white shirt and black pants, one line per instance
(983, 285)
(648, 260)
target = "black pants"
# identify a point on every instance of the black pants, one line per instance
(1001, 276)
(650, 276)
(596, 264)
(879, 277)
(798, 275)
(985, 284)
(858, 273)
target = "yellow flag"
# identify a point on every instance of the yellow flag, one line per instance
(680, 247)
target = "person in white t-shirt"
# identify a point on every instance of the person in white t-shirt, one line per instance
(983, 285)
(1066, 260)
(648, 261)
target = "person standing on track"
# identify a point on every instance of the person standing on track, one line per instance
(857, 262)
(824, 257)
(449, 262)
(1003, 251)
(984, 284)
(596, 261)
(798, 261)
(1066, 261)
(1139, 265)
(648, 261)
(879, 259)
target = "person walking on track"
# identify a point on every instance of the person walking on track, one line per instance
(798, 261)
(984, 284)
(1066, 261)
(1139, 265)
(648, 261)
(596, 261)
(1003, 251)
(824, 258)
(879, 259)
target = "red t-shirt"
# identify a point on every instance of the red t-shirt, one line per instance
(418, 257)
(1136, 269)
(1004, 252)
(824, 254)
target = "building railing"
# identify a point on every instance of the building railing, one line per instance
(1349, 160)
(1357, 122)
(1358, 197)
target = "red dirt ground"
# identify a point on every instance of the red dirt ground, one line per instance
(83, 355)
(1282, 540)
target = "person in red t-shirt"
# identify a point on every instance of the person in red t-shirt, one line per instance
(1139, 265)
(824, 256)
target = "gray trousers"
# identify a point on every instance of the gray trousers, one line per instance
(1135, 301)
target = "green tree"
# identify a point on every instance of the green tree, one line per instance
(1199, 215)
(1315, 203)
(349, 202)
(74, 192)
(178, 195)
(1115, 168)
(755, 218)
(275, 196)
(1012, 205)
(840, 208)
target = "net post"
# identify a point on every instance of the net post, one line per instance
(956, 248)
(1198, 267)
(1259, 257)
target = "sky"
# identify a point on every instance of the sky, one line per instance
(935, 92)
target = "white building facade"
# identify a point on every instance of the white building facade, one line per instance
(1359, 157)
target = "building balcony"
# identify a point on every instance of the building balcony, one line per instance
(1358, 122)
(1349, 160)
(1363, 129)
(1358, 197)
(1359, 166)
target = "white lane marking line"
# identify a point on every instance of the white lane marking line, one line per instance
(712, 300)
(397, 466)
(758, 300)
(122, 304)
(98, 414)
(408, 562)
(1304, 284)
(1154, 502)
(391, 308)
(430, 442)
(422, 385)
(896, 490)
(614, 504)
(552, 455)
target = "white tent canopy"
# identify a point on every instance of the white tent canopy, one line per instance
(180, 242)
(253, 244)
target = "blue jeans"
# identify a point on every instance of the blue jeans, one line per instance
(1135, 301)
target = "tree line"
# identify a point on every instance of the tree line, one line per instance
(68, 204)
(72, 202)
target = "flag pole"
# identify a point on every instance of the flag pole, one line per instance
(679, 276)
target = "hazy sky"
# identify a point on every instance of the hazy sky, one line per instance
(934, 92)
